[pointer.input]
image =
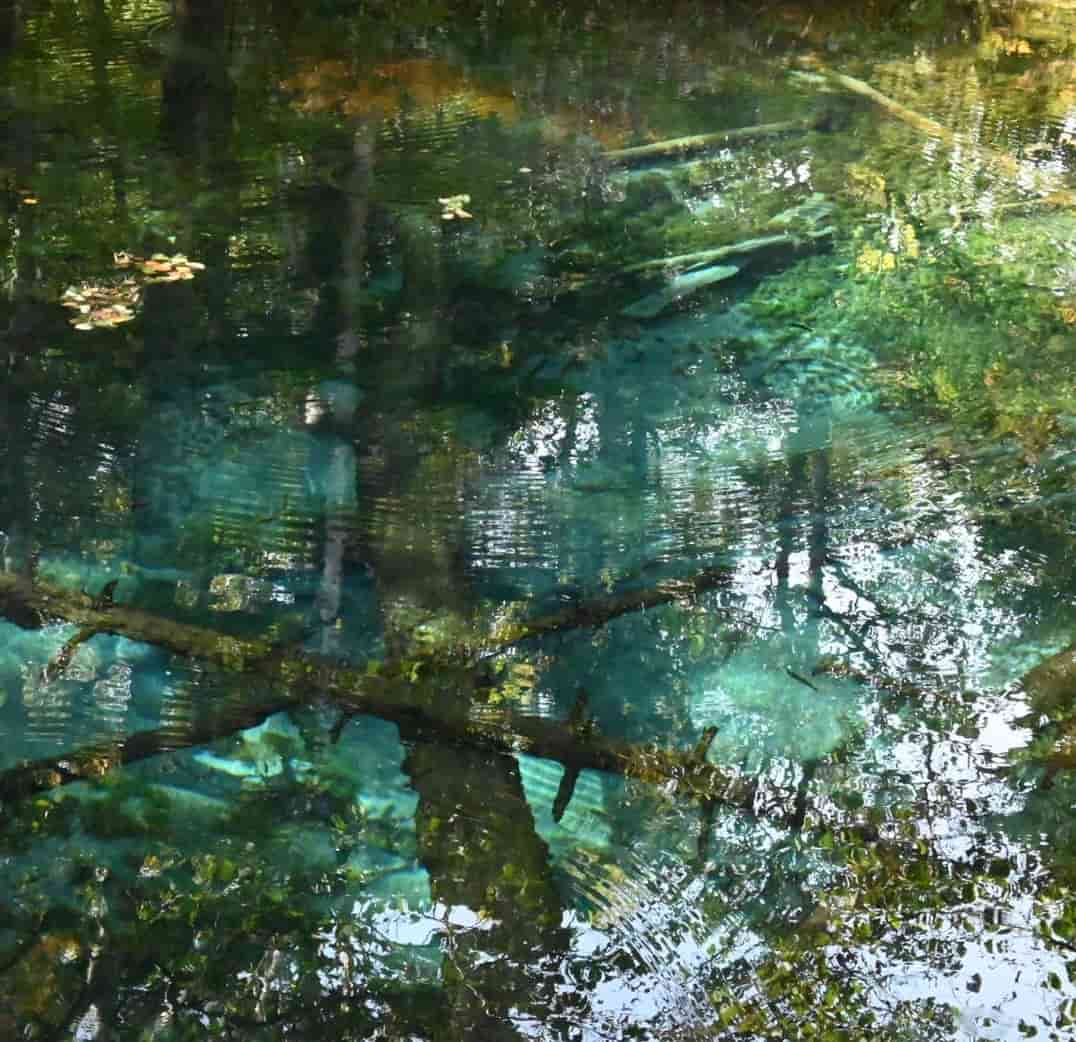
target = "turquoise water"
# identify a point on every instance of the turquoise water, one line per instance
(340, 347)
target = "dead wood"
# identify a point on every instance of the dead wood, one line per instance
(718, 253)
(412, 699)
(598, 611)
(704, 142)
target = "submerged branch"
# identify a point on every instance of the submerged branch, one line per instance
(1008, 164)
(414, 700)
(718, 253)
(703, 142)
(62, 659)
(93, 761)
(705, 267)
(596, 612)
(679, 287)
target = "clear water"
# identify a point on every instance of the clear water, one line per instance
(415, 390)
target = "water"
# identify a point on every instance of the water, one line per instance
(374, 471)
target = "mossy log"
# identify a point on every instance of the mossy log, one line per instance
(412, 695)
(705, 142)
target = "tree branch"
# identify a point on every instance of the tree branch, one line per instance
(706, 142)
(414, 700)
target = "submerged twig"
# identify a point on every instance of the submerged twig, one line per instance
(62, 659)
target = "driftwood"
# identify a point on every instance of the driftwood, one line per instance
(704, 142)
(277, 680)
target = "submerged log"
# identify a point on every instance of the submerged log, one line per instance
(387, 698)
(706, 267)
(412, 699)
(33, 602)
(718, 253)
(222, 719)
(679, 287)
(704, 142)
(902, 112)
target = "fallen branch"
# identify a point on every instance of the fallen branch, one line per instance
(601, 610)
(1008, 164)
(704, 142)
(678, 287)
(718, 253)
(62, 659)
(415, 702)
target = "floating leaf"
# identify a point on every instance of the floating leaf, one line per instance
(108, 305)
(101, 306)
(160, 267)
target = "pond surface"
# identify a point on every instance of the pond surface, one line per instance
(463, 578)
